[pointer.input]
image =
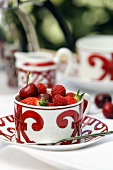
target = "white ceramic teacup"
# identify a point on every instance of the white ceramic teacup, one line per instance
(48, 124)
(41, 65)
(95, 55)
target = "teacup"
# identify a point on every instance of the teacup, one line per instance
(41, 65)
(95, 55)
(48, 124)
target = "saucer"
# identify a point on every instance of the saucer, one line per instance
(78, 81)
(90, 125)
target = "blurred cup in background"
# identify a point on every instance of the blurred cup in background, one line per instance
(95, 55)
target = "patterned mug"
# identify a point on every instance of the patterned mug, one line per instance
(41, 65)
(48, 124)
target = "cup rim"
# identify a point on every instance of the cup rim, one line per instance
(45, 107)
(84, 43)
(35, 68)
(25, 57)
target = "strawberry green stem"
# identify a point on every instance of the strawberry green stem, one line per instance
(79, 96)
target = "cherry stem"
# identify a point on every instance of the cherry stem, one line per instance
(27, 78)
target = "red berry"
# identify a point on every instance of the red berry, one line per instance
(31, 101)
(108, 110)
(101, 99)
(50, 104)
(30, 90)
(42, 88)
(58, 89)
(70, 94)
(59, 100)
(45, 96)
(70, 100)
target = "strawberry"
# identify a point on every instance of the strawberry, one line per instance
(74, 98)
(34, 101)
(50, 104)
(31, 101)
(42, 88)
(70, 100)
(59, 100)
(58, 89)
(70, 94)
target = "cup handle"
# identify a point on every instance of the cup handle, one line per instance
(64, 52)
(88, 98)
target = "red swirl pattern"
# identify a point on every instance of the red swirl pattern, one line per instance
(62, 122)
(98, 126)
(21, 126)
(48, 77)
(38, 125)
(89, 125)
(9, 133)
(107, 65)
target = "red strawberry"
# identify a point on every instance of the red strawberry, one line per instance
(59, 100)
(58, 89)
(73, 98)
(34, 101)
(31, 101)
(42, 88)
(70, 94)
(70, 100)
(50, 104)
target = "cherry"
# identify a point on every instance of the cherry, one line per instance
(45, 96)
(101, 99)
(30, 90)
(108, 110)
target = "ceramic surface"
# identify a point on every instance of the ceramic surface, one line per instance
(90, 125)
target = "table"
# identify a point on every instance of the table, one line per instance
(97, 156)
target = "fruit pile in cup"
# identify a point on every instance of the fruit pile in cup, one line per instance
(104, 102)
(38, 95)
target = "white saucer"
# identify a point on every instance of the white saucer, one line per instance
(93, 86)
(90, 125)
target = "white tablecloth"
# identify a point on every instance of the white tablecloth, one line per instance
(12, 157)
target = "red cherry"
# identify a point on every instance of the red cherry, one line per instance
(30, 90)
(101, 99)
(45, 96)
(108, 110)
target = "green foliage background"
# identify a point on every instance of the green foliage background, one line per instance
(83, 17)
